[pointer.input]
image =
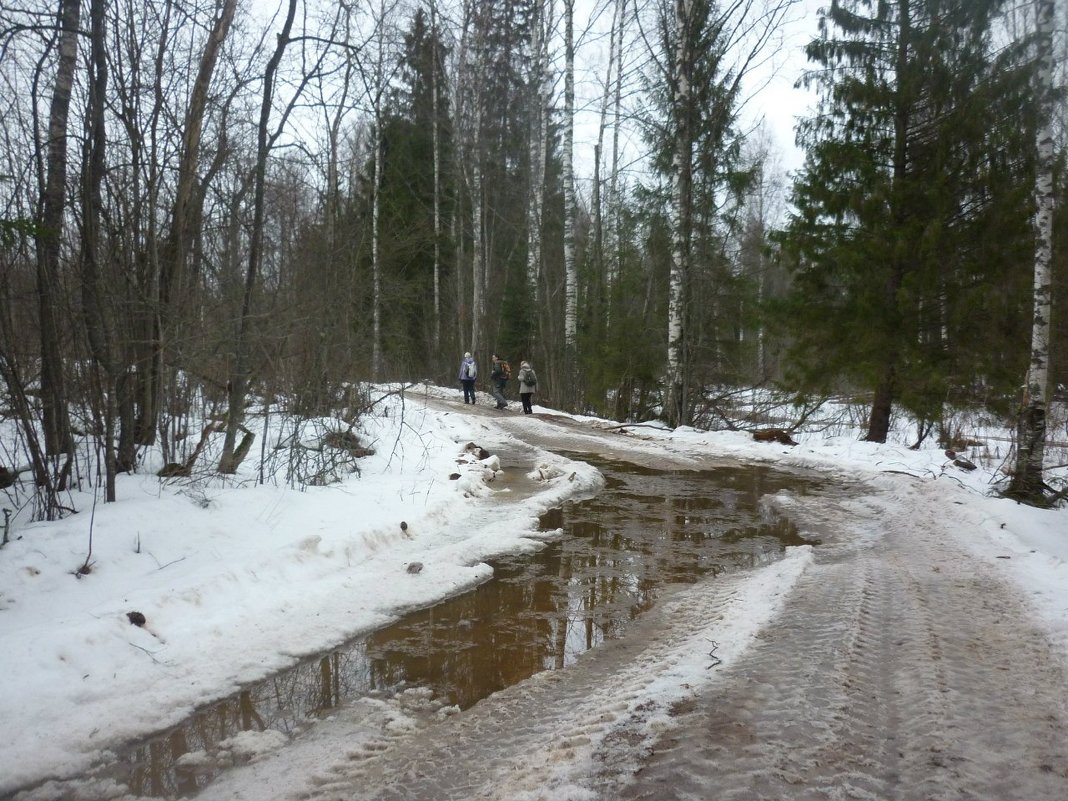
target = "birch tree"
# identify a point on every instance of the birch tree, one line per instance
(707, 50)
(436, 145)
(615, 203)
(377, 85)
(471, 80)
(686, 26)
(541, 23)
(1027, 481)
(568, 179)
(611, 100)
(478, 227)
(378, 80)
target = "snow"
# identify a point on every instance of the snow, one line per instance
(238, 580)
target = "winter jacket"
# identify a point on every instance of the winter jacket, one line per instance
(528, 379)
(497, 374)
(468, 369)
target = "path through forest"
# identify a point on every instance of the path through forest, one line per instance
(897, 666)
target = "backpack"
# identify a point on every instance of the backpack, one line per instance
(470, 370)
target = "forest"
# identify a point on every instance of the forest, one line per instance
(213, 209)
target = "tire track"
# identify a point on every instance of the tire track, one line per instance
(530, 736)
(903, 669)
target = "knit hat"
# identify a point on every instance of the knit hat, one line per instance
(467, 355)
(525, 364)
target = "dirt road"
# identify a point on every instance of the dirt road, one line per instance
(896, 666)
(899, 669)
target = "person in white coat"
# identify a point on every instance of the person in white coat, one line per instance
(528, 385)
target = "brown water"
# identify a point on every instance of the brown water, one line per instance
(646, 530)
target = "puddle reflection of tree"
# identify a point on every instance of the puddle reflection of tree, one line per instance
(283, 703)
(540, 612)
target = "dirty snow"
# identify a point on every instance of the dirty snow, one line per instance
(237, 581)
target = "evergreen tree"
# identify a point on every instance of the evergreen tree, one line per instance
(911, 211)
(408, 195)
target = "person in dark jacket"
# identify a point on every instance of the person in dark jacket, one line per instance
(500, 376)
(528, 385)
(468, 373)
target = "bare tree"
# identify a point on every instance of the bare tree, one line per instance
(97, 323)
(184, 215)
(239, 375)
(49, 230)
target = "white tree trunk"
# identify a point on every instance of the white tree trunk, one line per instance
(568, 177)
(469, 146)
(604, 207)
(614, 200)
(376, 265)
(681, 189)
(1031, 442)
(478, 233)
(436, 144)
(461, 103)
(376, 201)
(538, 151)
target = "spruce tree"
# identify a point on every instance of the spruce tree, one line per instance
(911, 209)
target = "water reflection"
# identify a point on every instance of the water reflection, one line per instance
(648, 529)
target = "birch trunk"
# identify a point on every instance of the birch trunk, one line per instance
(603, 265)
(614, 202)
(538, 153)
(376, 254)
(1027, 481)
(568, 178)
(478, 233)
(478, 221)
(461, 104)
(681, 213)
(436, 145)
(376, 204)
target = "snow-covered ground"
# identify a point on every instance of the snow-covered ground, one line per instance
(237, 580)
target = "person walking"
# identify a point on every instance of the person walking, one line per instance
(528, 385)
(500, 375)
(468, 373)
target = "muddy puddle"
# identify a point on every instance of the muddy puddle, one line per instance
(619, 551)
